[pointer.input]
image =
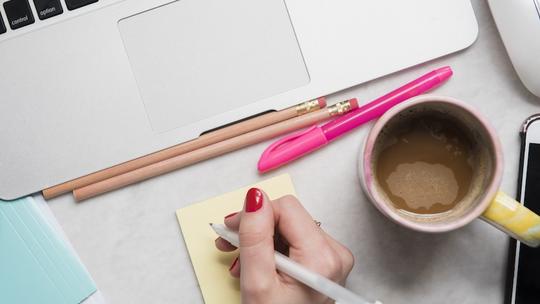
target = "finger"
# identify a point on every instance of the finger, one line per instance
(296, 225)
(257, 244)
(232, 221)
(292, 214)
(345, 255)
(234, 270)
(223, 245)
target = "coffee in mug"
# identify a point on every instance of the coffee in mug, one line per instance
(435, 164)
(425, 164)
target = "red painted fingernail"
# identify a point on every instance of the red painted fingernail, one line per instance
(254, 200)
(231, 215)
(233, 263)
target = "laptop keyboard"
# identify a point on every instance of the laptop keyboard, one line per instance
(48, 8)
(75, 4)
(20, 13)
(2, 26)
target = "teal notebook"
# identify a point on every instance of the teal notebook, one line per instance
(36, 264)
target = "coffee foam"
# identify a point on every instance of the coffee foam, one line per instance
(483, 158)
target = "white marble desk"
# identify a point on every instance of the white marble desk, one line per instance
(132, 245)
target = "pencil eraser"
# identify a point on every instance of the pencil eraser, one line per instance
(354, 103)
(322, 102)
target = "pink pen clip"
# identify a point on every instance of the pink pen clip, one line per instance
(291, 147)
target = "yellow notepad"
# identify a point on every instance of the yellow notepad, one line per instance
(211, 265)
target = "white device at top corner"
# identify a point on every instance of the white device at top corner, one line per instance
(518, 22)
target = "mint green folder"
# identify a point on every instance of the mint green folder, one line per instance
(36, 264)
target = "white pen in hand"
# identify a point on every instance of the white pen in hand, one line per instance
(314, 280)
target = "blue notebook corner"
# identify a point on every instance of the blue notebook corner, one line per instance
(36, 264)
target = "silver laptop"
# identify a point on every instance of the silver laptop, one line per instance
(87, 84)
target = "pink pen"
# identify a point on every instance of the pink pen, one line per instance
(299, 144)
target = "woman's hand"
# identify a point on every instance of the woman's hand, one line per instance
(309, 245)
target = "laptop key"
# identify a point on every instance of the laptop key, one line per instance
(75, 4)
(48, 8)
(18, 13)
(2, 26)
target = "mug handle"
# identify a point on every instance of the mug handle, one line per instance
(513, 218)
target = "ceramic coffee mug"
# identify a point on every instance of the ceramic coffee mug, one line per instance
(484, 200)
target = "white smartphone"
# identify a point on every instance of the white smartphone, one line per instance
(523, 283)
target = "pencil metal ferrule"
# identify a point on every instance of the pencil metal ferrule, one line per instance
(308, 106)
(340, 108)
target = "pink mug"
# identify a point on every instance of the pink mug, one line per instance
(484, 199)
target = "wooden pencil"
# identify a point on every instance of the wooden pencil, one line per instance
(210, 151)
(202, 141)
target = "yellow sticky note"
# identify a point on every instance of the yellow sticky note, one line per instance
(212, 266)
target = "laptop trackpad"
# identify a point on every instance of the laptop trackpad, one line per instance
(193, 59)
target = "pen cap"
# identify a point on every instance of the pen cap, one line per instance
(291, 147)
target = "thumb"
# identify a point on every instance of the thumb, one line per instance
(257, 242)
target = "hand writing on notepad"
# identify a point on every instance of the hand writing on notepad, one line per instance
(308, 245)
